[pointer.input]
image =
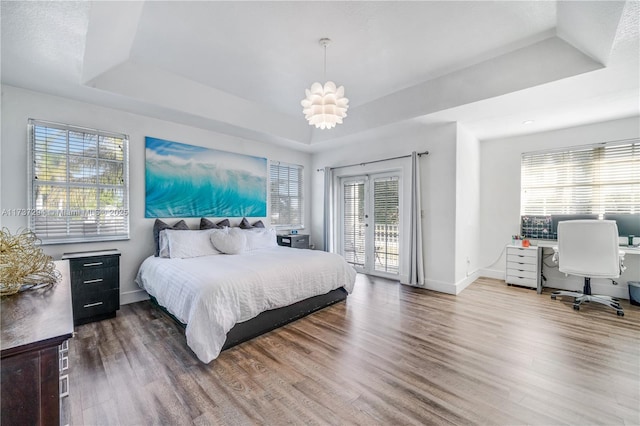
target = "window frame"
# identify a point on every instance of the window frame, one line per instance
(589, 175)
(273, 196)
(119, 216)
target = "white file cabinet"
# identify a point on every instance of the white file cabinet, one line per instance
(524, 266)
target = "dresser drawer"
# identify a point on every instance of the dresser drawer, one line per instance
(522, 266)
(517, 258)
(301, 241)
(519, 273)
(97, 279)
(95, 304)
(98, 262)
(527, 282)
(523, 251)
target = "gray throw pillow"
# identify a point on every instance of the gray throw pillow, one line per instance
(159, 225)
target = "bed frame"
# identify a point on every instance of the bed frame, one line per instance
(272, 319)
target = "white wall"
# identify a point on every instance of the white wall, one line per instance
(18, 105)
(500, 197)
(438, 181)
(467, 207)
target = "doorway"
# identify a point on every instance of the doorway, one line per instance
(370, 222)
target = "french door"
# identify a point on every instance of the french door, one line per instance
(370, 222)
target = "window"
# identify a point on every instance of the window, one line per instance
(286, 195)
(595, 179)
(79, 184)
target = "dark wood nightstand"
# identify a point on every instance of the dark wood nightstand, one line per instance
(95, 284)
(294, 241)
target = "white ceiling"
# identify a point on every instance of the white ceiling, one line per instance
(242, 67)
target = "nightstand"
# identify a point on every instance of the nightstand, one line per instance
(294, 241)
(95, 284)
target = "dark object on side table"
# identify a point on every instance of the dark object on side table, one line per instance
(294, 241)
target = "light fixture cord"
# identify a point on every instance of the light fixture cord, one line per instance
(325, 62)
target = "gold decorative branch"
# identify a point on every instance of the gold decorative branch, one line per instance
(23, 263)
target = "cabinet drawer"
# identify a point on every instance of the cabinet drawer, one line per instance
(94, 280)
(527, 282)
(284, 241)
(97, 262)
(519, 273)
(300, 242)
(97, 303)
(518, 266)
(525, 252)
(516, 258)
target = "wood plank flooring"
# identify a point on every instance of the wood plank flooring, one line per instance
(391, 354)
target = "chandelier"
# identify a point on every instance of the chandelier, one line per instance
(325, 106)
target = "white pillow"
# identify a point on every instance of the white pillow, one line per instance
(163, 244)
(229, 240)
(259, 238)
(186, 244)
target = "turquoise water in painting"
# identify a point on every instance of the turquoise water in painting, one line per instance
(190, 181)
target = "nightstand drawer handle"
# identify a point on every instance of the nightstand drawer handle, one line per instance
(93, 264)
(97, 280)
(91, 305)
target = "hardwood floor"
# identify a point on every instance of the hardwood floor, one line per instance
(391, 354)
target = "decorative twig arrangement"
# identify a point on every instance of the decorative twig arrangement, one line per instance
(23, 264)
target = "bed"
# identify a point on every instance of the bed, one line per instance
(224, 299)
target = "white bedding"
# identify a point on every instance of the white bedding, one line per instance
(212, 293)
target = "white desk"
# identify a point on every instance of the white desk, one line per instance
(553, 243)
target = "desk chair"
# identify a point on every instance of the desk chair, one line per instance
(589, 249)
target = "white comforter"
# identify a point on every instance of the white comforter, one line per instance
(212, 293)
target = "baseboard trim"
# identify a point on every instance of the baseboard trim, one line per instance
(133, 296)
(492, 273)
(461, 285)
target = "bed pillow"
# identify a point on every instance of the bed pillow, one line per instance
(223, 223)
(159, 225)
(244, 224)
(229, 240)
(187, 244)
(258, 238)
(207, 224)
(163, 244)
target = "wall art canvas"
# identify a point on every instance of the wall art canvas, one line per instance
(191, 181)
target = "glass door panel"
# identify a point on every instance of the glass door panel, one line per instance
(386, 209)
(353, 222)
(370, 212)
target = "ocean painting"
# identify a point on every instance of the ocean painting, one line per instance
(191, 181)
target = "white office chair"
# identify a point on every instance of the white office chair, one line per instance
(589, 249)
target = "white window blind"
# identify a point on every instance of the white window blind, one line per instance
(79, 184)
(287, 185)
(595, 179)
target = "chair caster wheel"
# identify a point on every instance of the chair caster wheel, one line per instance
(553, 297)
(576, 307)
(620, 313)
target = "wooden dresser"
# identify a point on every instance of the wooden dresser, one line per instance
(35, 325)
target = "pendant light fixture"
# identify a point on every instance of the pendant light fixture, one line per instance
(325, 106)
